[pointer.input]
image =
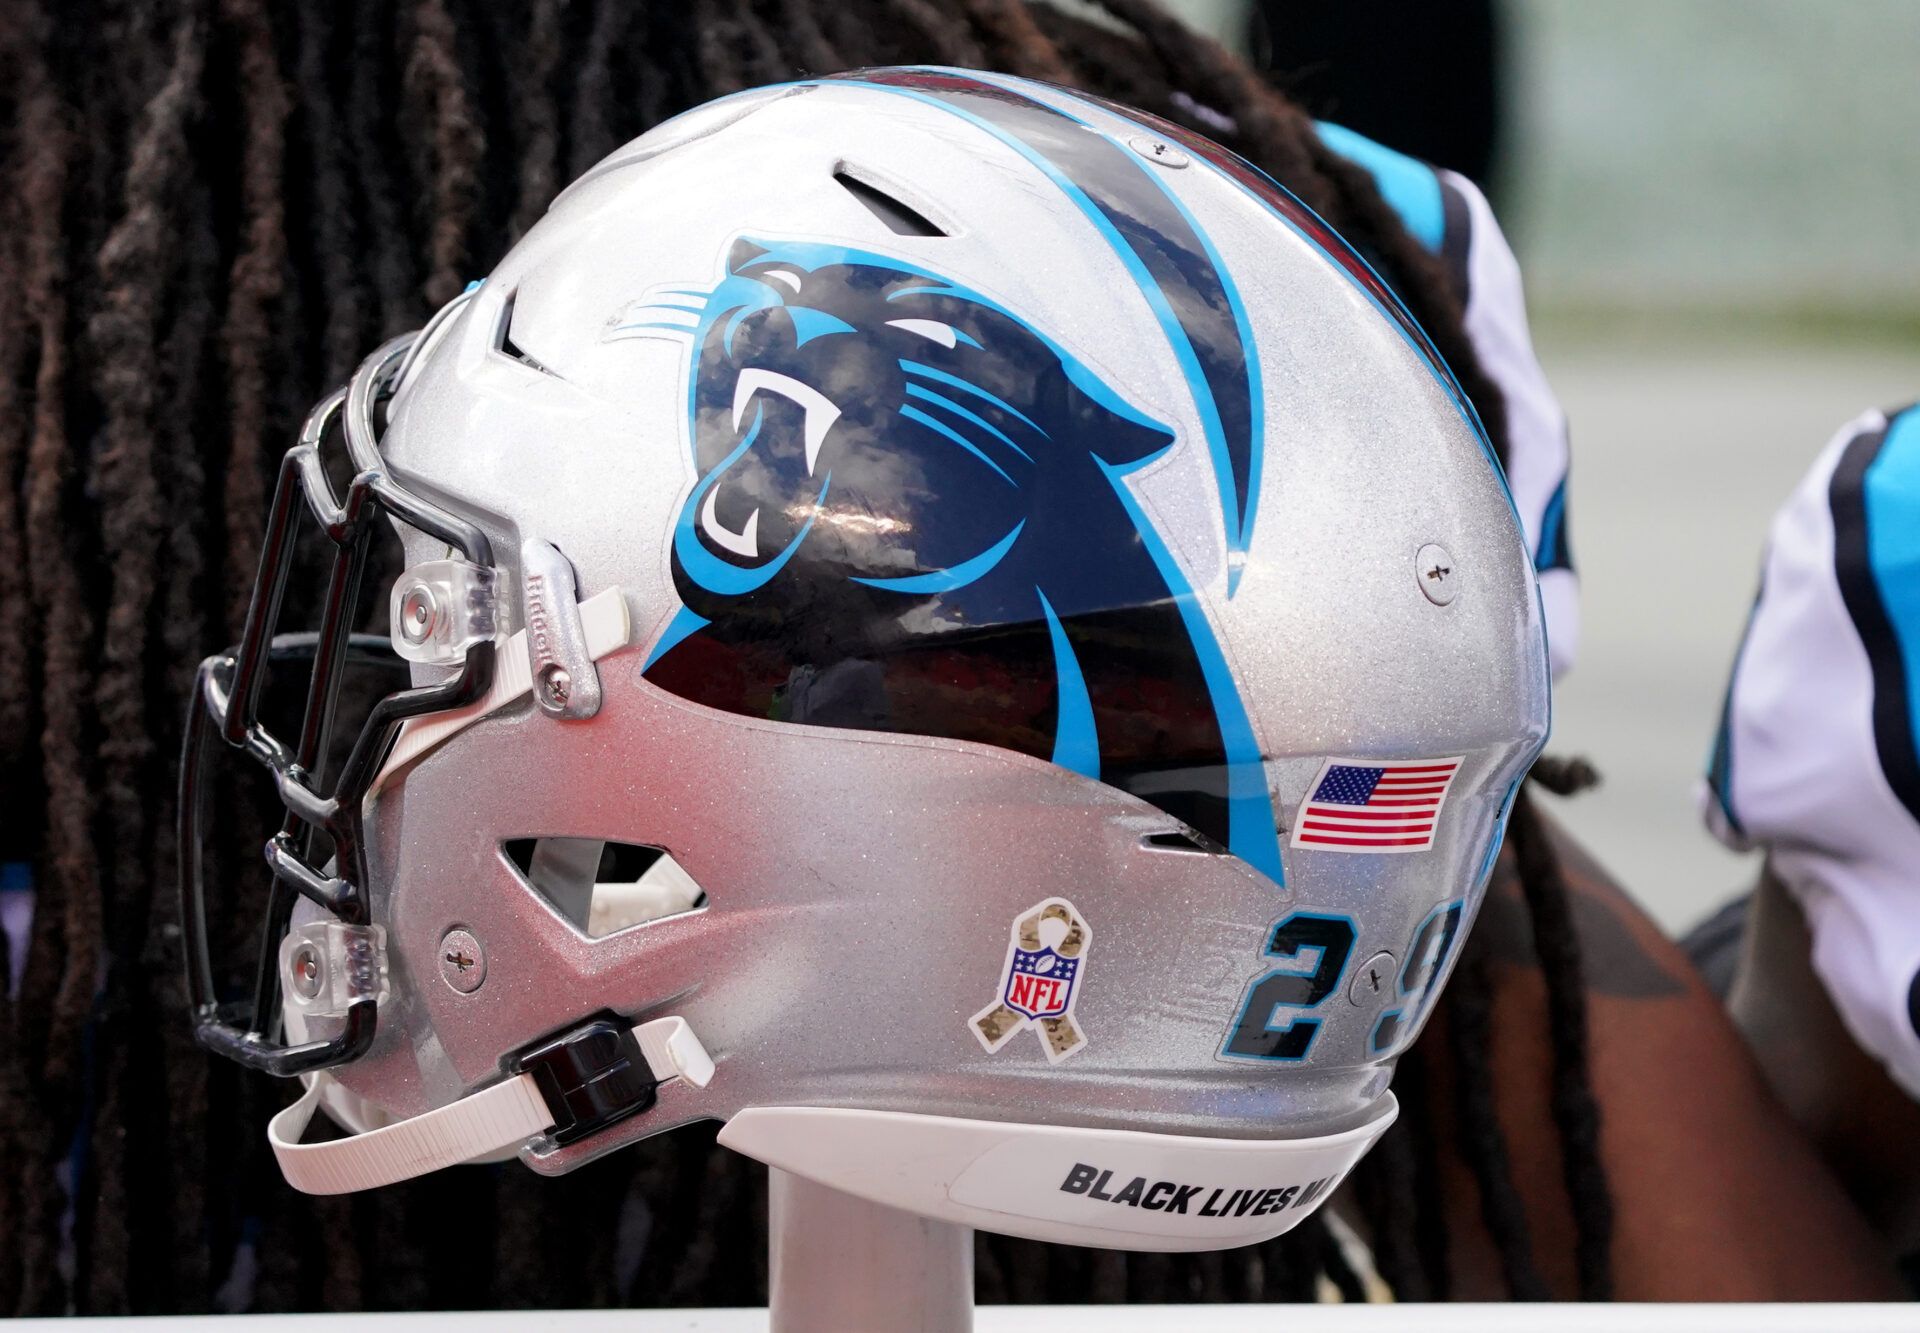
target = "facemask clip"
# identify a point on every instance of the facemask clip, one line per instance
(328, 966)
(440, 609)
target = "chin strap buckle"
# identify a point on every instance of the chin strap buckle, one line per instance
(564, 1089)
(590, 1077)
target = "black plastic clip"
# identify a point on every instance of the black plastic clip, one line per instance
(591, 1076)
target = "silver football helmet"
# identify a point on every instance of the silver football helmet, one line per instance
(955, 628)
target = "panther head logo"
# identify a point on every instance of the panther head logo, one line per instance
(909, 515)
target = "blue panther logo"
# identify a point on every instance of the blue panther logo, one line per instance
(910, 515)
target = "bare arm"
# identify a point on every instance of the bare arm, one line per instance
(1716, 1195)
(1863, 1125)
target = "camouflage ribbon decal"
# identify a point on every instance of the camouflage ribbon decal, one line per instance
(1040, 981)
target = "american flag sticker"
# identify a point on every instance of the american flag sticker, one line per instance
(1373, 807)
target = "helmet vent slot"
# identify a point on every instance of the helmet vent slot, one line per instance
(600, 887)
(504, 344)
(1182, 840)
(900, 218)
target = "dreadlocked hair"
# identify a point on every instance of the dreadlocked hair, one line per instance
(211, 209)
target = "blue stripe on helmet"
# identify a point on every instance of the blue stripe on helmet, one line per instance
(1252, 830)
(1076, 745)
(1720, 758)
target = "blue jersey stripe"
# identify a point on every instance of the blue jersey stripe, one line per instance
(1410, 187)
(1875, 501)
(1720, 758)
(1893, 552)
(1552, 552)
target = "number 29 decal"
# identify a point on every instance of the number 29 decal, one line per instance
(1276, 1020)
(1322, 944)
(1432, 946)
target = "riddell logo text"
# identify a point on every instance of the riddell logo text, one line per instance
(1173, 1197)
(537, 629)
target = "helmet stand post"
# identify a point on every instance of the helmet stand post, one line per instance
(837, 1262)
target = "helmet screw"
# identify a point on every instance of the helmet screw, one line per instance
(463, 963)
(1157, 151)
(305, 972)
(417, 611)
(1434, 571)
(1372, 985)
(556, 686)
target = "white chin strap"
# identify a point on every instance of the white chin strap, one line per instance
(494, 1120)
(497, 1120)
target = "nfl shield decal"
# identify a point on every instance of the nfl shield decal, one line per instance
(1039, 982)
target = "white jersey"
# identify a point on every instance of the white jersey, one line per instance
(1448, 215)
(1815, 758)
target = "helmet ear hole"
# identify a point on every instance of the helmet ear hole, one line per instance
(600, 887)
